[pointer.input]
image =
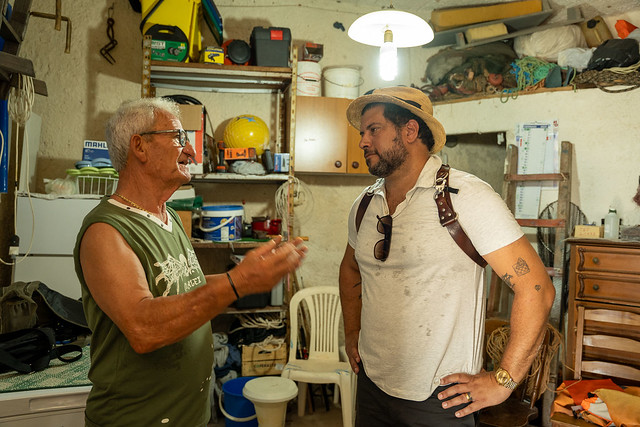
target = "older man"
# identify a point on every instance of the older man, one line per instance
(413, 300)
(146, 299)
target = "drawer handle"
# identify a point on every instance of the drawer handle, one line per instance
(338, 164)
(596, 287)
(355, 165)
(596, 260)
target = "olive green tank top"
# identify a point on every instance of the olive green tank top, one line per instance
(166, 387)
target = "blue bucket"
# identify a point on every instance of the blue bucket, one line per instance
(237, 406)
(222, 223)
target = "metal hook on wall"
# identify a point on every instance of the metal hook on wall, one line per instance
(58, 18)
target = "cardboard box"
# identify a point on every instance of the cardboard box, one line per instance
(593, 231)
(185, 217)
(193, 121)
(269, 360)
(312, 52)
(95, 150)
(443, 19)
(281, 162)
(485, 32)
(212, 55)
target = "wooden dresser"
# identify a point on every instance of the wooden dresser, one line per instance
(603, 274)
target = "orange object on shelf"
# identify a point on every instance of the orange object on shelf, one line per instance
(624, 28)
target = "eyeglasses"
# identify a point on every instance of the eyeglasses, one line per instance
(381, 248)
(183, 138)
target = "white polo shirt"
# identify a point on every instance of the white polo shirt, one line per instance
(423, 308)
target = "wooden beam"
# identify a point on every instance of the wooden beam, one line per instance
(15, 64)
(536, 177)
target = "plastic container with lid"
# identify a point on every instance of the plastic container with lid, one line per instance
(611, 224)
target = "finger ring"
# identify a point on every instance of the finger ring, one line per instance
(469, 398)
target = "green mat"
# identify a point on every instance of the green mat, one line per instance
(58, 374)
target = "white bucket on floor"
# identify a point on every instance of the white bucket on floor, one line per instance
(222, 223)
(270, 395)
(309, 76)
(341, 82)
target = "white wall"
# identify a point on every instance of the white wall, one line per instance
(84, 89)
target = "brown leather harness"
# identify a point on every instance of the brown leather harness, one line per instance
(447, 216)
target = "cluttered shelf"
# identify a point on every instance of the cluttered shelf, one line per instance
(513, 95)
(218, 77)
(235, 177)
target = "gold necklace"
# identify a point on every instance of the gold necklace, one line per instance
(132, 203)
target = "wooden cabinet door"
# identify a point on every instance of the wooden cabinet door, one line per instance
(355, 156)
(321, 134)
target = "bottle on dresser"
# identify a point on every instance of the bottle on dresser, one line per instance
(611, 224)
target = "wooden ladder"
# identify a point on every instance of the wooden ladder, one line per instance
(498, 298)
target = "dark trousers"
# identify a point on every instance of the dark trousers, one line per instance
(375, 408)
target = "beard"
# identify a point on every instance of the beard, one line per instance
(390, 160)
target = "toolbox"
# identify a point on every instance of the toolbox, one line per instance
(270, 46)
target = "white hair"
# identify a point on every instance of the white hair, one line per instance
(131, 118)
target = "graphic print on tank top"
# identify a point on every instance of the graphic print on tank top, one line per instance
(174, 269)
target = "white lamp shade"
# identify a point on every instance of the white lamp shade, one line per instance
(408, 30)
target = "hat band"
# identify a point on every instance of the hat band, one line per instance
(412, 103)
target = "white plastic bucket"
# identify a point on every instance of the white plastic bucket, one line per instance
(269, 396)
(341, 82)
(309, 76)
(221, 223)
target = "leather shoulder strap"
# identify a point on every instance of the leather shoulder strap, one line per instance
(449, 218)
(362, 208)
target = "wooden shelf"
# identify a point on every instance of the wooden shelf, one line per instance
(238, 244)
(218, 77)
(267, 309)
(479, 97)
(230, 178)
(517, 26)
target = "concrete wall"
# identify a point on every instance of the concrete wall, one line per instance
(84, 89)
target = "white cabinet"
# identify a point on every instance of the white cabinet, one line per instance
(48, 237)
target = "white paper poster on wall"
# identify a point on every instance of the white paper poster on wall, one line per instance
(537, 153)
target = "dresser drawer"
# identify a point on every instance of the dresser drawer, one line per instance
(605, 259)
(604, 288)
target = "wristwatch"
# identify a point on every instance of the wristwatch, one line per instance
(504, 379)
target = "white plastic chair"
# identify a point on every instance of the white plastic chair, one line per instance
(323, 366)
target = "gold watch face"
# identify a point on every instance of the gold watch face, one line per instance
(502, 376)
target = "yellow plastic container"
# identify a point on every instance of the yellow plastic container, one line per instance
(595, 31)
(183, 14)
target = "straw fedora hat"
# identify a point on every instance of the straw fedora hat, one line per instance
(409, 98)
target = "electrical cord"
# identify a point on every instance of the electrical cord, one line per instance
(19, 106)
(302, 197)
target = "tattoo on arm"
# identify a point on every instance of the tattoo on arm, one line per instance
(538, 287)
(507, 279)
(521, 268)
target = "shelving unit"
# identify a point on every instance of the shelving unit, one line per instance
(280, 81)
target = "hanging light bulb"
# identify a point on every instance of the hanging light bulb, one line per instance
(388, 58)
(390, 29)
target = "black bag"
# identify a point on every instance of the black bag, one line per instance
(31, 350)
(614, 53)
